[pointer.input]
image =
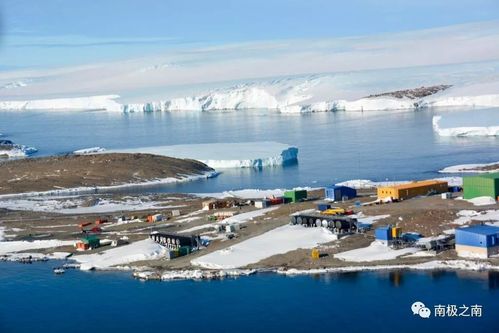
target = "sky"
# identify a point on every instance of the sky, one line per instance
(53, 33)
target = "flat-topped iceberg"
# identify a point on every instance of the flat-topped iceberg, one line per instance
(483, 122)
(226, 155)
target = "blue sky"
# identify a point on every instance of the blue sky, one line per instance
(66, 32)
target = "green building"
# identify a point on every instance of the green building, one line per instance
(92, 241)
(295, 195)
(486, 184)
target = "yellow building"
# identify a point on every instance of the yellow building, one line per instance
(411, 190)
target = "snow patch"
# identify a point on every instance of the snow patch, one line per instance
(280, 240)
(374, 252)
(17, 246)
(145, 249)
(87, 151)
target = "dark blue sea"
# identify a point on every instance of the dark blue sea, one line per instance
(33, 299)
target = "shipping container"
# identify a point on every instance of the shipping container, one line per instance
(295, 195)
(339, 193)
(383, 233)
(411, 190)
(481, 185)
(478, 235)
(478, 241)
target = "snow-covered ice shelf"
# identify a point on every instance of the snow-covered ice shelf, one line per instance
(280, 240)
(226, 155)
(103, 102)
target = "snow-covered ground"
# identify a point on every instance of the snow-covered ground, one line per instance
(17, 246)
(251, 193)
(482, 201)
(369, 219)
(76, 205)
(111, 188)
(236, 219)
(471, 168)
(91, 150)
(466, 265)
(490, 216)
(374, 252)
(277, 241)
(226, 155)
(145, 249)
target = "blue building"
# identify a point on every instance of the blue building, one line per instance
(339, 193)
(478, 241)
(383, 235)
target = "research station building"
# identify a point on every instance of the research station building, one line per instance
(484, 185)
(477, 241)
(411, 190)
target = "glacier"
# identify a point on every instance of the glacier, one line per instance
(478, 88)
(101, 102)
(226, 155)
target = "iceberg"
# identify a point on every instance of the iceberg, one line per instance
(481, 122)
(226, 155)
(16, 151)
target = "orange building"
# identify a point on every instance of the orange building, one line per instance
(411, 190)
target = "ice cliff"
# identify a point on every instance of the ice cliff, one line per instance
(226, 155)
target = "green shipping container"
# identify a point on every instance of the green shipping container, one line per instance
(481, 186)
(295, 195)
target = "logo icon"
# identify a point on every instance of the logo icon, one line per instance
(418, 308)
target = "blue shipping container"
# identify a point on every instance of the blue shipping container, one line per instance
(337, 193)
(383, 233)
(478, 235)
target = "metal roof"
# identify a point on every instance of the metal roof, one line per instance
(482, 229)
(415, 184)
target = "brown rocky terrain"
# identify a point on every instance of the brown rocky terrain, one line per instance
(56, 172)
(413, 93)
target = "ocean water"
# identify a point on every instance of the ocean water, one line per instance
(33, 299)
(332, 146)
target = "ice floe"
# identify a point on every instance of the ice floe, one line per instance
(226, 155)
